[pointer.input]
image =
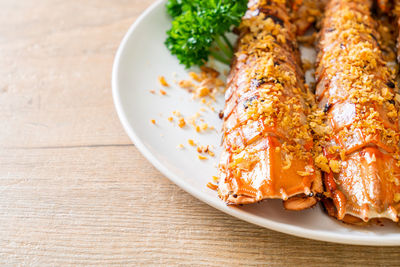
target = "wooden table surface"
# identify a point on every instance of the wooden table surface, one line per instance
(75, 191)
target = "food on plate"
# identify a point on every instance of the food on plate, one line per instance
(267, 140)
(199, 29)
(355, 88)
(276, 139)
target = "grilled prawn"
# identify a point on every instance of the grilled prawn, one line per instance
(266, 137)
(355, 88)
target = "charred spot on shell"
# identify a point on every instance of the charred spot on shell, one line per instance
(275, 19)
(265, 10)
(391, 84)
(293, 46)
(221, 114)
(327, 107)
(255, 83)
(375, 39)
(375, 8)
(248, 101)
(236, 30)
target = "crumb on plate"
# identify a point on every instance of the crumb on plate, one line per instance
(181, 122)
(201, 157)
(191, 142)
(212, 186)
(162, 81)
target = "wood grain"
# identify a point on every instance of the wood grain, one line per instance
(75, 191)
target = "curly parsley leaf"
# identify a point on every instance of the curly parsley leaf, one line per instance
(199, 27)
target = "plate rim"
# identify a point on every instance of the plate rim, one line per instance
(215, 203)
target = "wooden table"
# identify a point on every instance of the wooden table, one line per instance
(75, 191)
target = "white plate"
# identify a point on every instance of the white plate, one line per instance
(141, 58)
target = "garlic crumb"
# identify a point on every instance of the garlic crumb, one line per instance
(191, 142)
(181, 122)
(201, 157)
(162, 81)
